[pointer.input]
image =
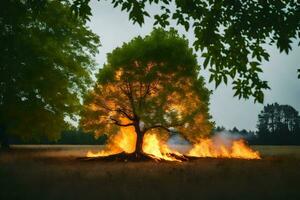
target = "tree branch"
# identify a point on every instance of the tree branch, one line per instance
(147, 92)
(119, 124)
(158, 126)
(124, 113)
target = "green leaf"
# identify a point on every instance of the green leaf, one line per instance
(225, 78)
(211, 78)
(260, 97)
(206, 61)
(218, 80)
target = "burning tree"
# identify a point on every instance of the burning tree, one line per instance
(150, 85)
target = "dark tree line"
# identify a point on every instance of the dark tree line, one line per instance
(278, 124)
(67, 137)
(235, 132)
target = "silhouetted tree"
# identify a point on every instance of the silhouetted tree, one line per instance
(219, 129)
(235, 130)
(45, 66)
(151, 84)
(278, 124)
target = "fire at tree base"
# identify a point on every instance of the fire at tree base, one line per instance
(121, 147)
(133, 157)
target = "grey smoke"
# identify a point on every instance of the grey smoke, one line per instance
(222, 138)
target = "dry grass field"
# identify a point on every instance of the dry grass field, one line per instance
(55, 172)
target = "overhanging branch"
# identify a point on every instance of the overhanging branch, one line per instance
(120, 124)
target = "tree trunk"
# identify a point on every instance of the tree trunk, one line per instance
(139, 141)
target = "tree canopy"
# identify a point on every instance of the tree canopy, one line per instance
(231, 34)
(45, 66)
(153, 85)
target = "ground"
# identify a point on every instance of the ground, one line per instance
(55, 172)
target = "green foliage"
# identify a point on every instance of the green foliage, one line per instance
(231, 34)
(45, 66)
(154, 81)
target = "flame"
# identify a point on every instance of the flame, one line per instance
(157, 149)
(236, 149)
(123, 141)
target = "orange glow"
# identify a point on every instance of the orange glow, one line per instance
(123, 141)
(237, 149)
(157, 149)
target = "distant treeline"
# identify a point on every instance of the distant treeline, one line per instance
(261, 138)
(67, 137)
(277, 125)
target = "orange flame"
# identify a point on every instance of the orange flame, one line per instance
(157, 149)
(125, 139)
(237, 149)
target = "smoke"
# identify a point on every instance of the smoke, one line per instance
(225, 136)
(221, 138)
(229, 135)
(178, 143)
(177, 140)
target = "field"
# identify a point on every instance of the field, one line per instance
(55, 172)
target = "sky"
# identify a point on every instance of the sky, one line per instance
(114, 28)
